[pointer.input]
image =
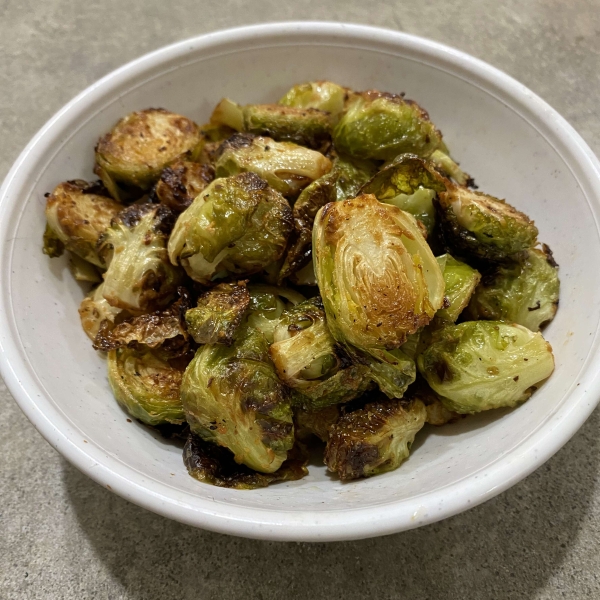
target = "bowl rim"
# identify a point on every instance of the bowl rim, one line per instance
(284, 525)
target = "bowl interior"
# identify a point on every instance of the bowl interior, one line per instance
(494, 139)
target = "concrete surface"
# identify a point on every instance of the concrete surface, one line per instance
(62, 536)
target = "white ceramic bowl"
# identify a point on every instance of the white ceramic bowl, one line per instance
(514, 143)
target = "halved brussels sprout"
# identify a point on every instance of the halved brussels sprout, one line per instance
(315, 422)
(480, 365)
(378, 277)
(483, 226)
(232, 397)
(374, 439)
(94, 309)
(286, 167)
(450, 168)
(141, 145)
(219, 313)
(382, 126)
(215, 465)
(139, 276)
(323, 95)
(460, 282)
(306, 358)
(181, 182)
(77, 214)
(145, 386)
(238, 225)
(526, 293)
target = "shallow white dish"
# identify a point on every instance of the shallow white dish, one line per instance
(517, 147)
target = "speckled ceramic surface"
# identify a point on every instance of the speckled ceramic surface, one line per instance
(515, 145)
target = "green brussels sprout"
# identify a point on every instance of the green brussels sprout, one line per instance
(351, 175)
(82, 270)
(526, 293)
(238, 225)
(323, 95)
(139, 277)
(410, 183)
(145, 386)
(286, 167)
(315, 422)
(482, 226)
(306, 358)
(382, 126)
(215, 465)
(94, 310)
(378, 277)
(480, 365)
(448, 167)
(219, 313)
(460, 282)
(232, 397)
(374, 439)
(77, 214)
(181, 182)
(392, 370)
(162, 330)
(141, 145)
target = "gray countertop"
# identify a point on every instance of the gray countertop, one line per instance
(62, 536)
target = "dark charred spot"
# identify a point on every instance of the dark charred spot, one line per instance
(549, 256)
(536, 307)
(235, 142)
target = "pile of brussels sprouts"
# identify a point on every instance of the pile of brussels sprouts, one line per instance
(319, 268)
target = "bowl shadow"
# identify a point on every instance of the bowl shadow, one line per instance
(508, 547)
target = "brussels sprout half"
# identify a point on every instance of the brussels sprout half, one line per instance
(526, 293)
(480, 365)
(232, 397)
(77, 214)
(381, 126)
(238, 226)
(181, 182)
(139, 277)
(378, 277)
(323, 95)
(145, 386)
(374, 439)
(286, 167)
(94, 310)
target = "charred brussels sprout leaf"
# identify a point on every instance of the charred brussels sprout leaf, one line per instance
(382, 126)
(214, 464)
(315, 422)
(323, 95)
(460, 282)
(180, 183)
(450, 168)
(378, 277)
(139, 277)
(374, 439)
(306, 358)
(94, 310)
(392, 370)
(526, 293)
(219, 313)
(145, 386)
(141, 145)
(482, 226)
(77, 214)
(286, 167)
(232, 397)
(238, 225)
(480, 365)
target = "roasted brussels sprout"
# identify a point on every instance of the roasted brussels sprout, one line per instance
(180, 183)
(374, 439)
(214, 464)
(238, 225)
(306, 358)
(219, 313)
(382, 126)
(480, 365)
(232, 397)
(323, 95)
(145, 386)
(482, 226)
(378, 277)
(460, 282)
(392, 370)
(450, 168)
(94, 309)
(141, 145)
(526, 293)
(286, 167)
(77, 214)
(139, 277)
(315, 422)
